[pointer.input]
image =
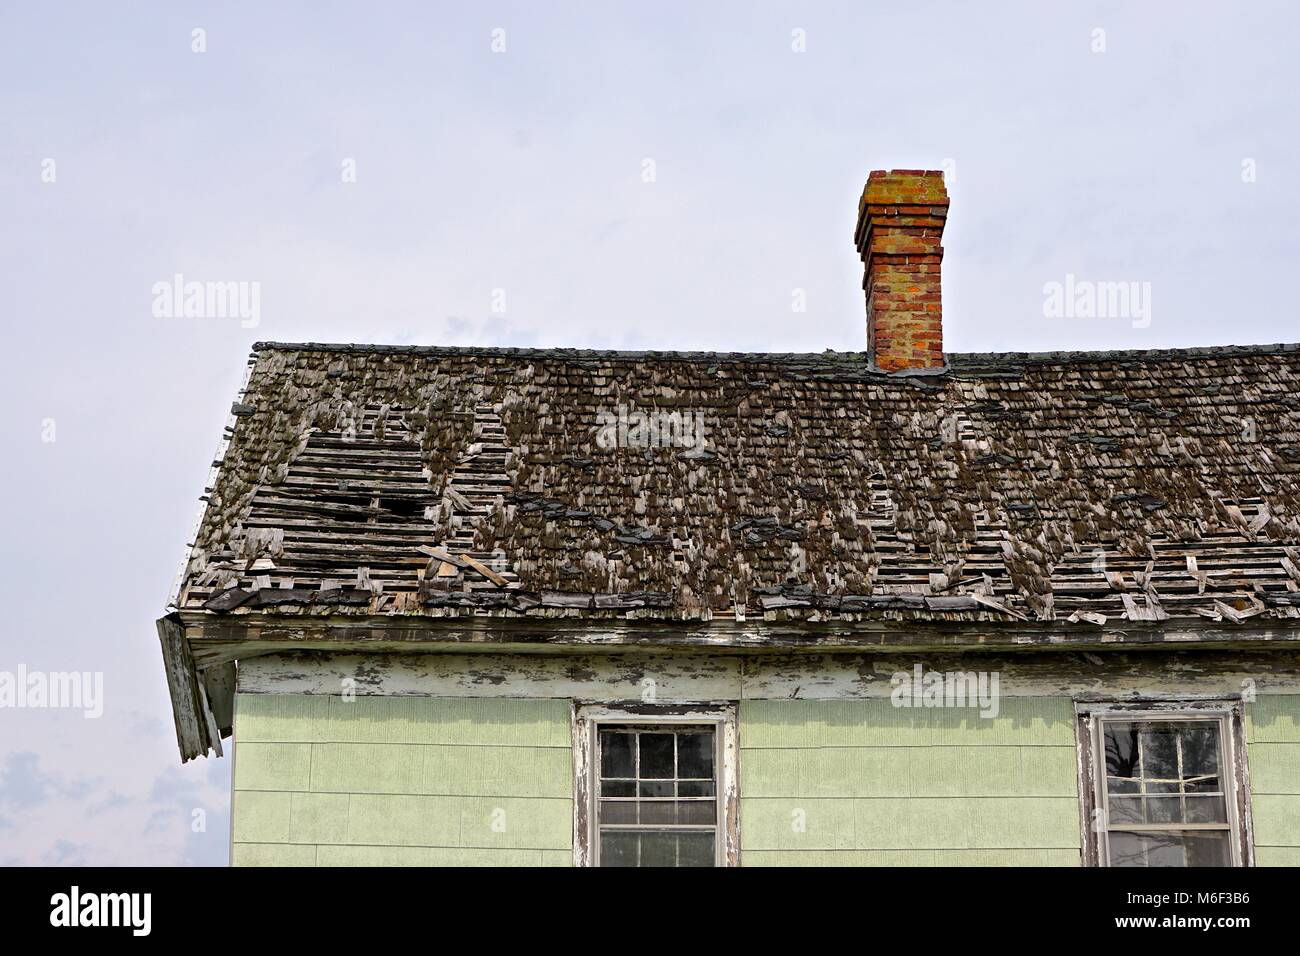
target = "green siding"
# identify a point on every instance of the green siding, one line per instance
(1273, 753)
(401, 781)
(415, 781)
(865, 783)
(994, 857)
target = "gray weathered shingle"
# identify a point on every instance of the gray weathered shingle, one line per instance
(1129, 484)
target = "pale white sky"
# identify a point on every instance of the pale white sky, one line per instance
(522, 171)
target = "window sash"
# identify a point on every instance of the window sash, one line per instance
(1232, 784)
(590, 720)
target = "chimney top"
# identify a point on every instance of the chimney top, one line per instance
(900, 224)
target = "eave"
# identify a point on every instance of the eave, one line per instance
(200, 647)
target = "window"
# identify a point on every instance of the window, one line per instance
(656, 786)
(1166, 786)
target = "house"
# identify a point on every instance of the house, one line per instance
(544, 606)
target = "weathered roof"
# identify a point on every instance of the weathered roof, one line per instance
(436, 481)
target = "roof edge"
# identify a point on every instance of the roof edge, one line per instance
(956, 360)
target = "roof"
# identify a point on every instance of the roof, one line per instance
(1076, 486)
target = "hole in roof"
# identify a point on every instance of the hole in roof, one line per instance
(404, 507)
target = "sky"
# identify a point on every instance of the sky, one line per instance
(608, 175)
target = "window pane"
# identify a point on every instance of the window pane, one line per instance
(617, 811)
(618, 788)
(1121, 746)
(1201, 750)
(658, 849)
(695, 849)
(658, 812)
(1210, 809)
(695, 756)
(1160, 755)
(1170, 849)
(1208, 849)
(656, 788)
(618, 849)
(1165, 809)
(697, 812)
(1123, 785)
(695, 788)
(1126, 810)
(656, 755)
(616, 755)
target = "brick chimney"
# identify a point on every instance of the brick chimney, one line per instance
(900, 223)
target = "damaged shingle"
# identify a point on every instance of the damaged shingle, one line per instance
(1147, 502)
(760, 530)
(821, 470)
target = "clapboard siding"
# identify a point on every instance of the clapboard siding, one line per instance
(913, 857)
(863, 783)
(429, 781)
(306, 718)
(1273, 753)
(401, 781)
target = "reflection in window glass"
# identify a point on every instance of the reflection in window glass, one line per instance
(1166, 801)
(657, 796)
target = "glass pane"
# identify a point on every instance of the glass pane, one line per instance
(656, 755)
(1208, 849)
(1170, 849)
(697, 812)
(658, 849)
(1207, 809)
(658, 812)
(1165, 809)
(617, 811)
(1201, 750)
(616, 755)
(618, 849)
(656, 788)
(618, 788)
(1122, 785)
(695, 849)
(695, 788)
(1126, 810)
(1160, 754)
(695, 756)
(1121, 747)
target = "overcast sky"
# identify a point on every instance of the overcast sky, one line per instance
(626, 175)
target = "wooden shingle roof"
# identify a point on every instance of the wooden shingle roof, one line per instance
(1078, 487)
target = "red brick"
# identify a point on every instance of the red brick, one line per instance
(901, 216)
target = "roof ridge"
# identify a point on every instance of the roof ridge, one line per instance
(829, 355)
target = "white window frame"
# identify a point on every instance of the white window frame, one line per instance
(1094, 809)
(589, 719)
